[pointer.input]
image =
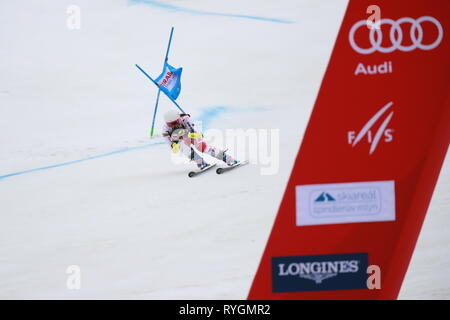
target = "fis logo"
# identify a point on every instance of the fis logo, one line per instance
(322, 272)
(374, 135)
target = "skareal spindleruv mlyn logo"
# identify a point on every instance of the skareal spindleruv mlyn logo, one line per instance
(325, 197)
(347, 202)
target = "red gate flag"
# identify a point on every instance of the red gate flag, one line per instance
(369, 160)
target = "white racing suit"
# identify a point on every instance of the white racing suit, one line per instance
(187, 143)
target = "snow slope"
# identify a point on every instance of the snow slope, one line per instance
(110, 200)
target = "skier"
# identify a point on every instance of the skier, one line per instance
(180, 134)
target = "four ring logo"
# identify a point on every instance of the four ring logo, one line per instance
(396, 35)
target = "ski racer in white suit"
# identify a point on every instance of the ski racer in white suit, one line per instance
(184, 140)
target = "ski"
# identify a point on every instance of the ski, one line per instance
(223, 170)
(197, 172)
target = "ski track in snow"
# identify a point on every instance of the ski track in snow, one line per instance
(136, 225)
(175, 8)
(206, 117)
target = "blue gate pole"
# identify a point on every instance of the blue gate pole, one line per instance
(159, 90)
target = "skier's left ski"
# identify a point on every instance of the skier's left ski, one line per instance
(222, 170)
(196, 173)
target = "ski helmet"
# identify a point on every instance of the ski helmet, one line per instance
(171, 117)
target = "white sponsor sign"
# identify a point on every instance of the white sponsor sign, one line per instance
(319, 204)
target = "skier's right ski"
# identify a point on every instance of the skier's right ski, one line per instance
(222, 170)
(195, 173)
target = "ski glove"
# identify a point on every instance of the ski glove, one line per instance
(195, 135)
(175, 147)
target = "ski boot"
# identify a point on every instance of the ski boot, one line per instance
(229, 160)
(199, 161)
(202, 165)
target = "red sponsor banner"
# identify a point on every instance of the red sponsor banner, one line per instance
(369, 161)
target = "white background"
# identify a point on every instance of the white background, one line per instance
(133, 222)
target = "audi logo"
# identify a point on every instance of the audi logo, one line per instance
(396, 35)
